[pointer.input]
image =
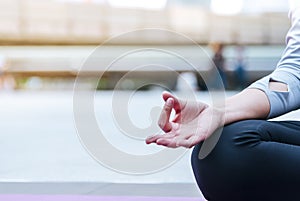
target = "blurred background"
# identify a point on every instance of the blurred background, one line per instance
(43, 45)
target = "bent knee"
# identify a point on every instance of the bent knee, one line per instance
(237, 142)
(225, 162)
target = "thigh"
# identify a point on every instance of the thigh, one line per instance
(253, 160)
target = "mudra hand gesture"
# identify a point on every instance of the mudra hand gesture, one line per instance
(193, 122)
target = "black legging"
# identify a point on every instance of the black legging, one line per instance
(253, 160)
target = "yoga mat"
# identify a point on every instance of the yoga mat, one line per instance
(92, 198)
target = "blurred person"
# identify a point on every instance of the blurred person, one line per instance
(2, 66)
(7, 82)
(254, 159)
(219, 63)
(240, 73)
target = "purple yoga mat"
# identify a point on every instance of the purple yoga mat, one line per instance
(91, 198)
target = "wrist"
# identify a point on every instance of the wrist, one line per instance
(220, 115)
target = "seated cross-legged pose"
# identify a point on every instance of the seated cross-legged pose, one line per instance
(254, 159)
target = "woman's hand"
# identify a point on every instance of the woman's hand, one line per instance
(193, 122)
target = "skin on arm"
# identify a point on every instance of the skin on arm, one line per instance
(278, 86)
(248, 104)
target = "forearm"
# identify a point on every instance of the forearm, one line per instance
(248, 104)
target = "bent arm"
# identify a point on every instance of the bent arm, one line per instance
(282, 87)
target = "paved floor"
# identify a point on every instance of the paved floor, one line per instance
(40, 151)
(39, 142)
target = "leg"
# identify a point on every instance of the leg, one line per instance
(253, 160)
